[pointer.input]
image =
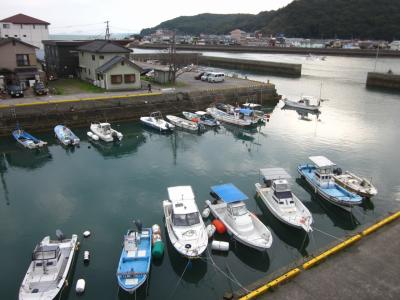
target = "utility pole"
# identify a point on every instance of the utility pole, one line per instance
(107, 36)
(172, 58)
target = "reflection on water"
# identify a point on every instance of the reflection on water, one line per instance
(28, 159)
(3, 170)
(303, 113)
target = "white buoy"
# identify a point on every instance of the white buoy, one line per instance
(86, 256)
(210, 230)
(156, 229)
(220, 245)
(95, 137)
(80, 286)
(89, 134)
(206, 213)
(86, 233)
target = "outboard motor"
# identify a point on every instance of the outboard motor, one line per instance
(60, 235)
(337, 171)
(114, 136)
(139, 225)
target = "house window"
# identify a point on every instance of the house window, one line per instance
(33, 26)
(122, 63)
(116, 79)
(22, 60)
(6, 35)
(89, 71)
(6, 26)
(22, 26)
(129, 78)
(93, 57)
(24, 35)
(45, 26)
(82, 54)
(16, 35)
(101, 56)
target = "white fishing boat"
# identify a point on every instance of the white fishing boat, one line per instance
(49, 268)
(276, 194)
(304, 103)
(355, 184)
(185, 227)
(235, 118)
(184, 124)
(156, 121)
(244, 226)
(105, 132)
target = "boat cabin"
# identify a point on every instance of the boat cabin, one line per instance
(105, 128)
(324, 170)
(44, 254)
(156, 115)
(184, 209)
(204, 115)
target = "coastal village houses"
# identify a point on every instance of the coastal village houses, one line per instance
(18, 63)
(28, 29)
(107, 65)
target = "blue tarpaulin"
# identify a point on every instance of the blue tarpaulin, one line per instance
(228, 193)
(246, 111)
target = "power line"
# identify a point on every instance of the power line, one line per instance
(80, 25)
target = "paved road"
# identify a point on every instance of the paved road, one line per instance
(370, 269)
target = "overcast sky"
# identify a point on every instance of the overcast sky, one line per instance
(88, 16)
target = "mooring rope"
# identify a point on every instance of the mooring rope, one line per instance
(328, 234)
(180, 278)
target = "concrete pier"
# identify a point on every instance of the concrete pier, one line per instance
(32, 114)
(262, 67)
(383, 80)
(365, 266)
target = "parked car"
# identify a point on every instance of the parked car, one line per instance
(216, 77)
(15, 90)
(198, 76)
(205, 76)
(40, 89)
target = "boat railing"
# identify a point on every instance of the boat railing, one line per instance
(131, 273)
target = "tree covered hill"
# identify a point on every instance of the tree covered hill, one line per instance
(373, 19)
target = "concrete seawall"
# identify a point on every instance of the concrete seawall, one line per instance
(277, 50)
(42, 116)
(383, 80)
(264, 67)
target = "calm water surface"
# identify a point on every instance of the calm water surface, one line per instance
(104, 187)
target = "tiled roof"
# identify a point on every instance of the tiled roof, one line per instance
(103, 46)
(24, 19)
(113, 61)
(10, 39)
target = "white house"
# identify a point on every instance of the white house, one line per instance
(107, 65)
(238, 35)
(29, 30)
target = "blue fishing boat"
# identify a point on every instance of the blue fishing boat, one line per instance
(66, 136)
(27, 140)
(320, 176)
(134, 263)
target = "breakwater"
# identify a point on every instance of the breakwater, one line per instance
(263, 67)
(81, 112)
(281, 50)
(383, 80)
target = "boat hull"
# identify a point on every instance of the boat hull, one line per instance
(52, 294)
(344, 204)
(294, 104)
(179, 244)
(306, 226)
(146, 122)
(241, 239)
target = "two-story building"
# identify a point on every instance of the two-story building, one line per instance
(62, 58)
(28, 29)
(18, 61)
(107, 65)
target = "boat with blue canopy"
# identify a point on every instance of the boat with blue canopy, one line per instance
(229, 207)
(27, 140)
(66, 136)
(320, 176)
(134, 263)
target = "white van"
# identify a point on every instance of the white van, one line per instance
(216, 77)
(204, 77)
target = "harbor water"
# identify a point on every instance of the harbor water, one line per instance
(104, 187)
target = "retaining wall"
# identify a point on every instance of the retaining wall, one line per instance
(383, 80)
(45, 115)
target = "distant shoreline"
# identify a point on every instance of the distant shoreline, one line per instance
(279, 50)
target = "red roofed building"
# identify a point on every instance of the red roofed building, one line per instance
(25, 28)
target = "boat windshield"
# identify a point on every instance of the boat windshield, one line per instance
(186, 219)
(238, 210)
(43, 255)
(283, 195)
